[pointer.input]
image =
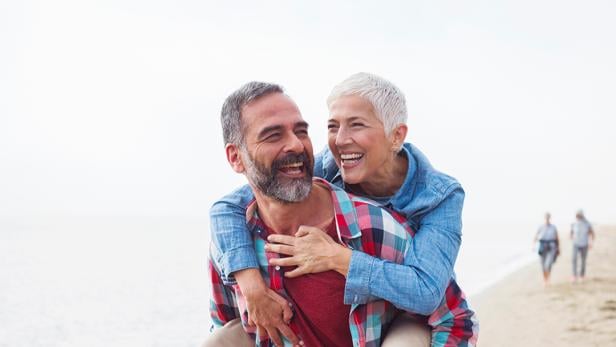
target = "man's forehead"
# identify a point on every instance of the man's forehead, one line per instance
(271, 110)
(269, 104)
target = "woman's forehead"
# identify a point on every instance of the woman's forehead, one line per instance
(351, 106)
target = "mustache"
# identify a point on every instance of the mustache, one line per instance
(291, 158)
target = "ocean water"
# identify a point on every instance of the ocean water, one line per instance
(100, 282)
(142, 281)
(492, 250)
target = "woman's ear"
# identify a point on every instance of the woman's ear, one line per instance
(397, 137)
(234, 158)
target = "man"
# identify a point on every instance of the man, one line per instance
(583, 236)
(548, 247)
(266, 139)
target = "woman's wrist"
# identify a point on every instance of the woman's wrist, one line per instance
(342, 260)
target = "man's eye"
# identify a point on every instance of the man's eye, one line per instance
(272, 137)
(357, 124)
(303, 132)
(332, 126)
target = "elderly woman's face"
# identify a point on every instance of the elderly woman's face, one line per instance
(356, 138)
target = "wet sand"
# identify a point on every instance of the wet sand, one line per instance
(519, 311)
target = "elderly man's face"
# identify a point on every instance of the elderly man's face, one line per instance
(278, 152)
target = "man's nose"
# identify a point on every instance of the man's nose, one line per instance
(294, 145)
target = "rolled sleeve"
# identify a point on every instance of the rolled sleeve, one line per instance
(233, 244)
(357, 288)
(235, 260)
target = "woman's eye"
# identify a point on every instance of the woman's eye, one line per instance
(357, 124)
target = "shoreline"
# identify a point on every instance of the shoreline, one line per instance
(518, 311)
(509, 269)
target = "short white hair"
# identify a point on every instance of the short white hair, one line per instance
(387, 100)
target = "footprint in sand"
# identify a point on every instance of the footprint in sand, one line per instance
(609, 305)
(582, 328)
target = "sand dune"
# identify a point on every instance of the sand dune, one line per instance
(519, 311)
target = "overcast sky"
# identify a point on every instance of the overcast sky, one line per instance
(112, 107)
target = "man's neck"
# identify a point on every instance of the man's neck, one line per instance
(285, 218)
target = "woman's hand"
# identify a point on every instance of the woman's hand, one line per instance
(311, 250)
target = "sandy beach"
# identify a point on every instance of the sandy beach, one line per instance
(519, 311)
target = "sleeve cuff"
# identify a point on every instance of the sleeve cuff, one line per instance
(357, 287)
(235, 260)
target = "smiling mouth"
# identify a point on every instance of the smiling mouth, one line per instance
(349, 159)
(293, 169)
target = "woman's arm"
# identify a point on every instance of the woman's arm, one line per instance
(420, 285)
(416, 286)
(236, 260)
(233, 242)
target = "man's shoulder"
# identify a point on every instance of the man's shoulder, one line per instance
(368, 214)
(372, 215)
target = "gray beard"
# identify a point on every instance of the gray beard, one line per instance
(268, 182)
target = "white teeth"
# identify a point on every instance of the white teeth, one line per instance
(351, 156)
(294, 165)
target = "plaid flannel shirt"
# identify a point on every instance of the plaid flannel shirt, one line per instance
(364, 226)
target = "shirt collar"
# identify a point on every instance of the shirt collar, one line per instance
(254, 223)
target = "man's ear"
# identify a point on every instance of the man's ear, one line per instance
(234, 158)
(397, 136)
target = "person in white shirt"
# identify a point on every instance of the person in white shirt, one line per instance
(548, 247)
(583, 236)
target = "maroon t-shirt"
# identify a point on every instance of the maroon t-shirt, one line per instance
(320, 313)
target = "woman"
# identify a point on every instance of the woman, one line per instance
(548, 247)
(367, 156)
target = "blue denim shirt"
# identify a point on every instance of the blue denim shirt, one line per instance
(430, 200)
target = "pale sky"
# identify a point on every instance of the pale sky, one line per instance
(112, 107)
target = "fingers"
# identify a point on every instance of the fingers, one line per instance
(284, 239)
(290, 261)
(279, 248)
(275, 337)
(262, 333)
(302, 231)
(287, 314)
(289, 334)
(296, 272)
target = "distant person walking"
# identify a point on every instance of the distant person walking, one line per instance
(548, 247)
(583, 236)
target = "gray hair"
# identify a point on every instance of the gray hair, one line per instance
(231, 113)
(388, 101)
